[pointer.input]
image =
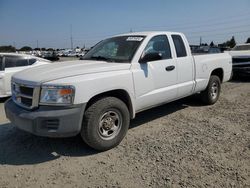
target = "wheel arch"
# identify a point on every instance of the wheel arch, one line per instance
(121, 94)
(218, 72)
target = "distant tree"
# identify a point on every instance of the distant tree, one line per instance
(7, 49)
(50, 49)
(26, 48)
(43, 49)
(211, 44)
(248, 40)
(36, 49)
(204, 44)
(230, 43)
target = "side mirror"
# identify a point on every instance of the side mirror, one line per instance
(154, 56)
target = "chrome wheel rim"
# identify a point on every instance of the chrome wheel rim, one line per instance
(214, 90)
(110, 124)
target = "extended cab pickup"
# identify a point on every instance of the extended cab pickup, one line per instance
(120, 76)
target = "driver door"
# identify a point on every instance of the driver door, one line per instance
(155, 81)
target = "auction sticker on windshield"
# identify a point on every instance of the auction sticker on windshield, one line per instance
(134, 38)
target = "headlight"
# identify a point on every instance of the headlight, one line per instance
(57, 95)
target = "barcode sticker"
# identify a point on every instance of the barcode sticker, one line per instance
(134, 38)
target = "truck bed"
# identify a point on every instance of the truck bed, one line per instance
(204, 64)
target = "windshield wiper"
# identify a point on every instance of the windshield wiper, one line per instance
(101, 58)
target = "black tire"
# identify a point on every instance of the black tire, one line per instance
(210, 96)
(98, 121)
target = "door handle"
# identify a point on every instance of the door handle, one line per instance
(170, 68)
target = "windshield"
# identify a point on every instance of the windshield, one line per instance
(116, 49)
(241, 47)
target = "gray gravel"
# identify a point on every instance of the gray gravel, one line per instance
(181, 144)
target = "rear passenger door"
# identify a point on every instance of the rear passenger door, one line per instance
(185, 66)
(12, 64)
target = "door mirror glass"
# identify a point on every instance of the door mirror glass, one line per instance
(153, 56)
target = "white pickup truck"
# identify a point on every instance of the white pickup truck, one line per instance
(120, 76)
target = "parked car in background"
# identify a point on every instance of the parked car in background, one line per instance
(206, 50)
(214, 50)
(50, 55)
(11, 63)
(241, 59)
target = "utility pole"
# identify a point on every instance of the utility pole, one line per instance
(36, 43)
(131, 31)
(71, 38)
(200, 41)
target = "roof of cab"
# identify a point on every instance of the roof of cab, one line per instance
(147, 33)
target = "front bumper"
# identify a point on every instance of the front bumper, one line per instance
(49, 121)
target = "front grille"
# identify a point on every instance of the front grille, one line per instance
(26, 101)
(27, 90)
(25, 96)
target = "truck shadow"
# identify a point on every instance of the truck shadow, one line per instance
(21, 148)
(158, 112)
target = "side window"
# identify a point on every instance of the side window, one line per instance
(13, 61)
(179, 46)
(21, 62)
(10, 61)
(32, 61)
(1, 63)
(159, 44)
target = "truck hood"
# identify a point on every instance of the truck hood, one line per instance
(54, 71)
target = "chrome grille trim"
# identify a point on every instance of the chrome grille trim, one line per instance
(17, 95)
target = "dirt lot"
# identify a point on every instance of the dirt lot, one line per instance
(182, 144)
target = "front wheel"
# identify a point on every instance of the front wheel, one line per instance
(212, 92)
(105, 123)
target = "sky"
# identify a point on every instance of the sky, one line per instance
(48, 23)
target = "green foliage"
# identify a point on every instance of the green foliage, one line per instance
(26, 48)
(230, 43)
(248, 40)
(7, 49)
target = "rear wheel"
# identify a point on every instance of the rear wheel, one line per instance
(212, 92)
(105, 123)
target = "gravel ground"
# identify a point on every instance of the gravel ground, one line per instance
(181, 144)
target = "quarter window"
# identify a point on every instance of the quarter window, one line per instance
(179, 46)
(159, 44)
